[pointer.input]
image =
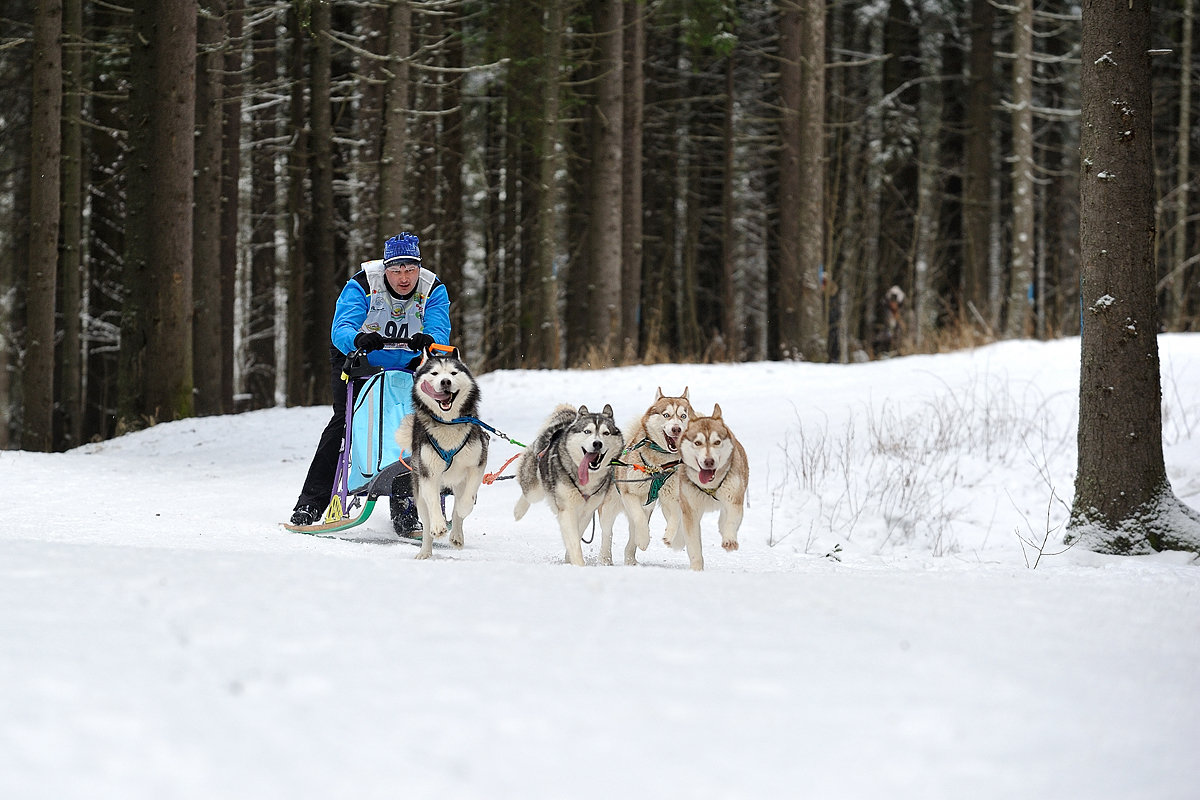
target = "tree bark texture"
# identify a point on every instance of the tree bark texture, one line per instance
(1123, 500)
(44, 219)
(156, 334)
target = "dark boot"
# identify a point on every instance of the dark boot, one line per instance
(403, 510)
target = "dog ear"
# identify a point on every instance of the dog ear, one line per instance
(608, 412)
(716, 411)
(658, 394)
(581, 412)
(684, 395)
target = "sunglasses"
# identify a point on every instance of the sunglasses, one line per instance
(399, 269)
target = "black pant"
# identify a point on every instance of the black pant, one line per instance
(318, 484)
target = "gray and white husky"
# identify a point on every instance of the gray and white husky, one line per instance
(448, 452)
(569, 464)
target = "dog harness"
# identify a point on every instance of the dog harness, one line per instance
(657, 477)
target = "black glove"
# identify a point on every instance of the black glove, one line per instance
(419, 341)
(368, 340)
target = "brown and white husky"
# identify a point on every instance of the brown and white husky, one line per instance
(653, 449)
(712, 476)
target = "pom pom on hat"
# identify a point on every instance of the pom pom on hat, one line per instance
(405, 247)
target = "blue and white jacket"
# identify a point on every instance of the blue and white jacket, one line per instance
(368, 303)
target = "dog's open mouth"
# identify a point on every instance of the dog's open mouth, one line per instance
(590, 463)
(706, 475)
(672, 442)
(444, 399)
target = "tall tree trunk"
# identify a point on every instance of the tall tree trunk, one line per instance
(1021, 278)
(633, 78)
(929, 120)
(231, 171)
(542, 285)
(395, 133)
(1122, 504)
(605, 187)
(44, 210)
(789, 284)
(329, 274)
(70, 377)
(802, 325)
(206, 224)
(977, 167)
(1177, 281)
(156, 331)
(305, 354)
(260, 334)
(363, 242)
(730, 311)
(451, 232)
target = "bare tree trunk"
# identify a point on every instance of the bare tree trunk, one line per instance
(44, 217)
(304, 353)
(453, 251)
(329, 274)
(633, 79)
(929, 120)
(206, 224)
(1177, 281)
(730, 312)
(70, 376)
(790, 281)
(1122, 504)
(260, 334)
(1021, 278)
(363, 242)
(605, 188)
(231, 171)
(977, 167)
(156, 331)
(803, 328)
(395, 132)
(542, 285)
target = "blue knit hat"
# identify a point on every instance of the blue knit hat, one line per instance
(405, 247)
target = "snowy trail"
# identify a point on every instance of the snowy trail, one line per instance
(162, 637)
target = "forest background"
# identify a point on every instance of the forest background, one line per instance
(185, 186)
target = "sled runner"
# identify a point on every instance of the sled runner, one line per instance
(377, 400)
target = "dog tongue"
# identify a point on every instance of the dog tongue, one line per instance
(706, 475)
(439, 396)
(585, 465)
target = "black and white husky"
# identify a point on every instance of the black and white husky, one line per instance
(449, 451)
(570, 465)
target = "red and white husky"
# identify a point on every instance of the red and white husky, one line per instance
(712, 476)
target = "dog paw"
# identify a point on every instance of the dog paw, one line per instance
(422, 555)
(456, 539)
(730, 545)
(438, 531)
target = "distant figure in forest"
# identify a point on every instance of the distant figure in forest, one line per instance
(892, 328)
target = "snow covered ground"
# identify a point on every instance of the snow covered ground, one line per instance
(892, 626)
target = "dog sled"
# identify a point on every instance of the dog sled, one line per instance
(377, 401)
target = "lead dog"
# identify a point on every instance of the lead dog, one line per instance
(712, 476)
(569, 464)
(445, 454)
(653, 454)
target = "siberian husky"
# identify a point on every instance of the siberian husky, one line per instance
(448, 452)
(713, 475)
(654, 447)
(569, 464)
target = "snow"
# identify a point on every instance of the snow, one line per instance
(880, 632)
